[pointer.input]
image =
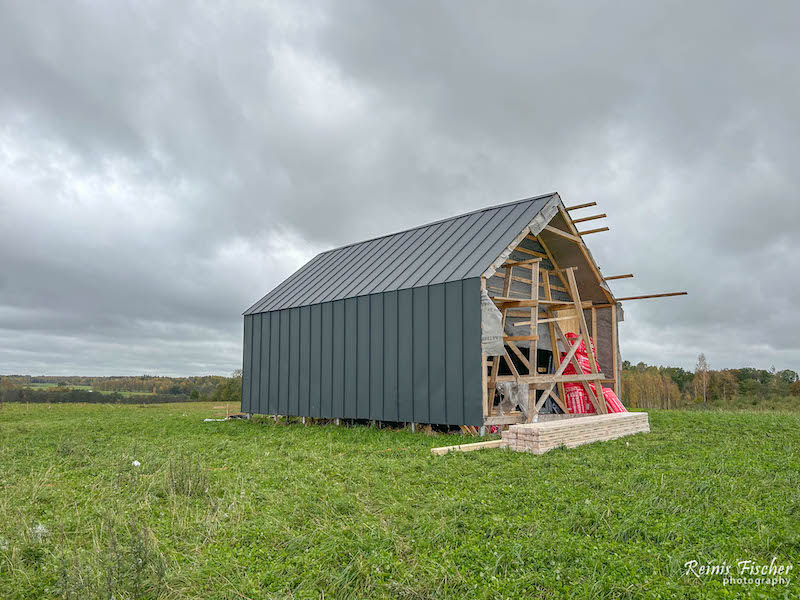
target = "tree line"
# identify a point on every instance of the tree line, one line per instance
(140, 389)
(647, 386)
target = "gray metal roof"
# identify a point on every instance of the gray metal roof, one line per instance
(452, 249)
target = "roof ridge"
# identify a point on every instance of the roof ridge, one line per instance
(454, 217)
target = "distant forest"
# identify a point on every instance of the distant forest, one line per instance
(646, 386)
(643, 386)
(126, 390)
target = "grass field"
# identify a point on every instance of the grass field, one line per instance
(53, 386)
(247, 510)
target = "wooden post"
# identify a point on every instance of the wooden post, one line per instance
(600, 405)
(614, 343)
(548, 295)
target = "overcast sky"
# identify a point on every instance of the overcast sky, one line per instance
(164, 164)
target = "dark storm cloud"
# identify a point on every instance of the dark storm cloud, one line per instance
(163, 165)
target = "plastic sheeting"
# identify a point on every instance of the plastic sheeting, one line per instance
(492, 330)
(514, 394)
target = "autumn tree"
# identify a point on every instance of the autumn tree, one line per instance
(701, 377)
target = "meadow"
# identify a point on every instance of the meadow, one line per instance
(88, 388)
(255, 509)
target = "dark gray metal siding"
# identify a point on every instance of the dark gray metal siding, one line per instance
(407, 355)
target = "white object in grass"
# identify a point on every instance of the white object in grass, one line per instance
(136, 463)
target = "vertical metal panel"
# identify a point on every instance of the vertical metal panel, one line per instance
(376, 352)
(255, 362)
(326, 365)
(283, 354)
(454, 325)
(408, 355)
(273, 405)
(294, 361)
(350, 357)
(391, 345)
(437, 346)
(362, 358)
(263, 389)
(315, 341)
(419, 323)
(305, 360)
(247, 365)
(338, 353)
(405, 353)
(471, 351)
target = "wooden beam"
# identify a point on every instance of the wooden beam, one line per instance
(598, 230)
(614, 360)
(518, 352)
(523, 280)
(562, 233)
(517, 263)
(653, 296)
(577, 206)
(467, 447)
(546, 320)
(551, 327)
(520, 338)
(592, 218)
(506, 302)
(504, 420)
(545, 379)
(531, 252)
(626, 276)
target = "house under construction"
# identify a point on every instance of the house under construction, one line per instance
(432, 324)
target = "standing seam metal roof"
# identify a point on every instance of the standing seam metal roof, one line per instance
(452, 249)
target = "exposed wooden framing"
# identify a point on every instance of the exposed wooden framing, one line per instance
(586, 255)
(467, 447)
(554, 379)
(625, 276)
(653, 296)
(562, 233)
(600, 406)
(551, 329)
(545, 320)
(520, 338)
(563, 339)
(511, 366)
(577, 206)
(522, 280)
(534, 329)
(615, 358)
(556, 268)
(511, 419)
(598, 230)
(509, 272)
(531, 252)
(518, 352)
(541, 308)
(484, 374)
(592, 218)
(511, 303)
(518, 263)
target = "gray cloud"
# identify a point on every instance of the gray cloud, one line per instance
(164, 165)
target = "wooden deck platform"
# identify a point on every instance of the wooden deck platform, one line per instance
(538, 438)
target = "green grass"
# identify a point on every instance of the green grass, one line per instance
(248, 510)
(54, 386)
